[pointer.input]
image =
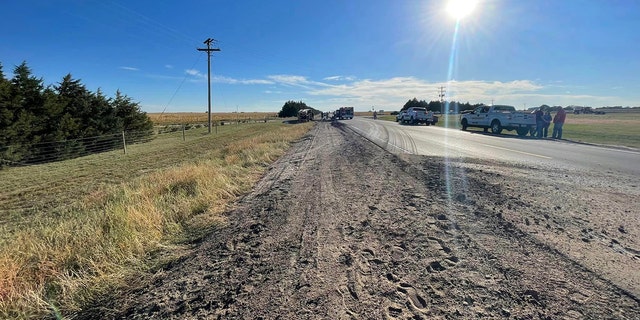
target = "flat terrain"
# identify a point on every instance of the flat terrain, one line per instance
(613, 128)
(72, 230)
(341, 229)
(203, 117)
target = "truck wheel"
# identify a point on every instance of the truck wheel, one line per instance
(464, 124)
(427, 123)
(522, 131)
(496, 127)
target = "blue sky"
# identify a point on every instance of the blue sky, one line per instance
(331, 53)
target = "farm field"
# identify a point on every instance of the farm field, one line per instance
(202, 117)
(72, 230)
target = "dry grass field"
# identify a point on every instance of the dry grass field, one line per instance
(71, 231)
(203, 117)
(616, 129)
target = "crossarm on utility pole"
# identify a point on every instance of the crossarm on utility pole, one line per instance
(208, 50)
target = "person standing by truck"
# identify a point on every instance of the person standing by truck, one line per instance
(539, 122)
(558, 122)
(547, 122)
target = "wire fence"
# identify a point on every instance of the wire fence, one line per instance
(38, 153)
(26, 188)
(26, 154)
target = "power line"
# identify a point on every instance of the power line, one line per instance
(209, 50)
(179, 87)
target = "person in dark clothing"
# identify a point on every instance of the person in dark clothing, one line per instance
(547, 123)
(539, 122)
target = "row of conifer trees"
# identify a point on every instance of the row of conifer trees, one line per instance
(61, 121)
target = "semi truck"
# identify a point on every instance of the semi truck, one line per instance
(344, 113)
(305, 115)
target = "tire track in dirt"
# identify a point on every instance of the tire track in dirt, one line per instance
(341, 229)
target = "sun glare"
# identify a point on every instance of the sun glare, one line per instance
(461, 8)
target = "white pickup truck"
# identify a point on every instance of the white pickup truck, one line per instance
(498, 118)
(416, 115)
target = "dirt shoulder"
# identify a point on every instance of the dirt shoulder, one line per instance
(340, 229)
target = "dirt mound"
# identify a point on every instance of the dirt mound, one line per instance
(339, 229)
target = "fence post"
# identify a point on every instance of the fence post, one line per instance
(124, 143)
(183, 139)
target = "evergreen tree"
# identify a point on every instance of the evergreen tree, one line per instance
(74, 98)
(105, 119)
(130, 118)
(25, 101)
(415, 103)
(291, 108)
(6, 114)
(71, 119)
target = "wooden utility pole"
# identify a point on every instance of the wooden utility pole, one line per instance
(441, 96)
(208, 50)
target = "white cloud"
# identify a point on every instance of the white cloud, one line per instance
(129, 68)
(289, 80)
(393, 93)
(297, 81)
(339, 78)
(194, 72)
(168, 66)
(223, 79)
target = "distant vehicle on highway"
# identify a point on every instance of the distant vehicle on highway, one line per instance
(498, 118)
(416, 115)
(344, 113)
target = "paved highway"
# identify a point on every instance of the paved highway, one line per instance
(454, 143)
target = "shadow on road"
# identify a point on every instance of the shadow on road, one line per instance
(510, 136)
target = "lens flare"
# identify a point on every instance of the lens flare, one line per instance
(461, 8)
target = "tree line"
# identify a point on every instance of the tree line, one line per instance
(437, 106)
(291, 108)
(34, 116)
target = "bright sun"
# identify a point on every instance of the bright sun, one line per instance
(461, 8)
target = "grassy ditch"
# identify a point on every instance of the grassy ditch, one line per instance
(73, 231)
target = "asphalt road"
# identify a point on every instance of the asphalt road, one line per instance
(454, 143)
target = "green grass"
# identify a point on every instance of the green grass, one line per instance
(75, 230)
(616, 129)
(607, 134)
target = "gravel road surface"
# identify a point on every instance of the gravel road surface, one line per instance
(341, 229)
